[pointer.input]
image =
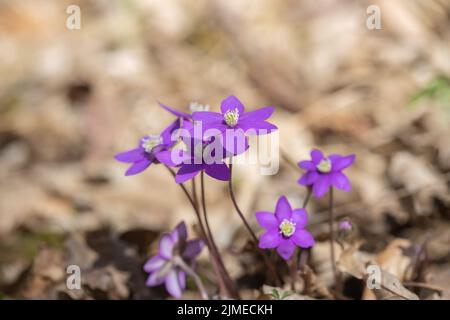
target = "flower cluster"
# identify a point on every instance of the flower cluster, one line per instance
(285, 229)
(200, 142)
(207, 138)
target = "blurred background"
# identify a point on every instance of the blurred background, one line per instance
(71, 99)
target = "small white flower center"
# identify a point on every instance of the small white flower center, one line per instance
(231, 117)
(197, 107)
(287, 228)
(324, 166)
(149, 142)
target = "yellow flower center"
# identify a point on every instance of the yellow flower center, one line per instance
(231, 117)
(324, 166)
(149, 142)
(287, 228)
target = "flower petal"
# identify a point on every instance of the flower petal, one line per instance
(182, 279)
(177, 113)
(138, 167)
(168, 136)
(193, 248)
(256, 127)
(340, 163)
(179, 232)
(286, 249)
(283, 209)
(307, 165)
(308, 178)
(270, 239)
(303, 238)
(231, 103)
(207, 117)
(130, 156)
(187, 172)
(166, 156)
(321, 186)
(258, 115)
(154, 279)
(204, 130)
(234, 142)
(340, 181)
(166, 245)
(154, 263)
(300, 217)
(219, 171)
(267, 220)
(316, 156)
(173, 284)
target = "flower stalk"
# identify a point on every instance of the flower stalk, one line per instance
(229, 285)
(332, 239)
(189, 271)
(268, 262)
(215, 257)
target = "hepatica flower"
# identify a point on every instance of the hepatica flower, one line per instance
(285, 230)
(345, 225)
(325, 172)
(233, 116)
(176, 253)
(150, 149)
(203, 155)
(234, 120)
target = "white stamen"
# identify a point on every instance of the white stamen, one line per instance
(150, 141)
(231, 117)
(287, 228)
(324, 166)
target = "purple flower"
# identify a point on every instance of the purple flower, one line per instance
(235, 120)
(285, 229)
(345, 225)
(203, 155)
(150, 149)
(233, 116)
(168, 265)
(322, 173)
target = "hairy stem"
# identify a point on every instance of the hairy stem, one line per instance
(294, 268)
(267, 261)
(308, 196)
(194, 202)
(332, 237)
(198, 282)
(238, 210)
(231, 289)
